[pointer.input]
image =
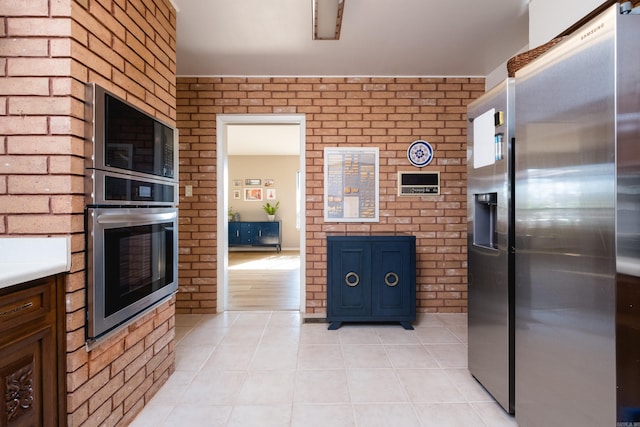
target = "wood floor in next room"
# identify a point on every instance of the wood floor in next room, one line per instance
(263, 280)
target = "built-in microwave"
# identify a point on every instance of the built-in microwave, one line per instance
(124, 139)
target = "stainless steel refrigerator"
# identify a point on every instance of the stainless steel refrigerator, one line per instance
(490, 234)
(577, 199)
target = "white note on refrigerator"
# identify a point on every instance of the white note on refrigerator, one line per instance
(484, 153)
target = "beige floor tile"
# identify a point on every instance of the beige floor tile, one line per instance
(243, 335)
(288, 319)
(192, 358)
(393, 334)
(452, 319)
(385, 415)
(323, 356)
(428, 386)
(437, 335)
(153, 415)
(461, 333)
(213, 388)
(230, 358)
(188, 320)
(198, 415)
(375, 386)
(449, 355)
(427, 320)
(270, 357)
(258, 415)
(281, 336)
(410, 356)
(203, 336)
(181, 332)
(322, 386)
(365, 356)
(267, 388)
(448, 415)
(256, 319)
(332, 415)
(317, 333)
(357, 334)
(220, 320)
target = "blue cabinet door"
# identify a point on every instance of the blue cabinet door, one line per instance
(268, 233)
(349, 290)
(393, 286)
(235, 237)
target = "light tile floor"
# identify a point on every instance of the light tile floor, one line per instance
(264, 369)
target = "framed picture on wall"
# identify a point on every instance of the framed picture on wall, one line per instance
(271, 194)
(237, 183)
(236, 194)
(253, 194)
(252, 181)
(268, 182)
(351, 185)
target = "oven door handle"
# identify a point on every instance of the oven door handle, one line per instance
(137, 218)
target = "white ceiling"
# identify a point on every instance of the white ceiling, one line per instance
(378, 38)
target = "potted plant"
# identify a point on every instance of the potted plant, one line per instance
(271, 210)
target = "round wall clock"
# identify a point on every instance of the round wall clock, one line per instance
(420, 153)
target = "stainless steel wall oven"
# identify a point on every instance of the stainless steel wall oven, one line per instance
(131, 218)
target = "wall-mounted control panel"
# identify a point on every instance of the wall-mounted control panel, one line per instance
(418, 183)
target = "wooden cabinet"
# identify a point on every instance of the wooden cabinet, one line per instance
(371, 278)
(255, 234)
(31, 355)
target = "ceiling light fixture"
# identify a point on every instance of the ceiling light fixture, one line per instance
(327, 19)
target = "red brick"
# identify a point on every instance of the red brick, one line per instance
(24, 47)
(24, 86)
(23, 125)
(47, 27)
(38, 67)
(24, 8)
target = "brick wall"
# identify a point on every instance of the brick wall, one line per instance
(388, 113)
(48, 49)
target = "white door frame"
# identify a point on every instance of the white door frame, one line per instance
(222, 174)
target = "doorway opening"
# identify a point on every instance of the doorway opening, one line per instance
(256, 142)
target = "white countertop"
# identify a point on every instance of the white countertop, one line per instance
(28, 258)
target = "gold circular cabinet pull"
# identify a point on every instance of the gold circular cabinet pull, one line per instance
(394, 279)
(352, 279)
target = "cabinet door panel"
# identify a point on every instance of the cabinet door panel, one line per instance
(234, 233)
(269, 233)
(27, 371)
(350, 286)
(393, 283)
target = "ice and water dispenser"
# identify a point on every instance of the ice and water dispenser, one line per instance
(485, 220)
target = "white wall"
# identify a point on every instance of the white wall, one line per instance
(500, 73)
(282, 170)
(548, 18)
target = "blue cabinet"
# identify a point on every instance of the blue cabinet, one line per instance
(370, 279)
(255, 233)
